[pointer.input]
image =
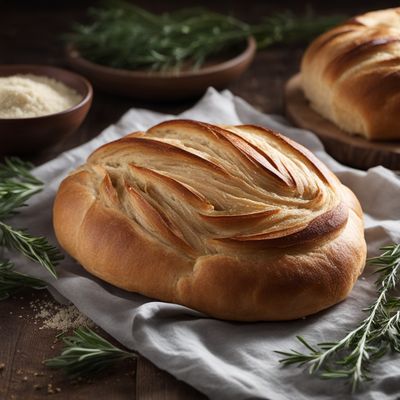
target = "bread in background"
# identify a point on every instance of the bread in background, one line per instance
(351, 75)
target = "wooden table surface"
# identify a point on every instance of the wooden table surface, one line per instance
(30, 33)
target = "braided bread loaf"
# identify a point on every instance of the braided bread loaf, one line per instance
(351, 75)
(237, 221)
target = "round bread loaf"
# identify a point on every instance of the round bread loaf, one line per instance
(236, 221)
(351, 75)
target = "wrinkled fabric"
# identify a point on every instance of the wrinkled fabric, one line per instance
(225, 360)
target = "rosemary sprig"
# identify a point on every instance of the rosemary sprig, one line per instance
(17, 185)
(14, 167)
(351, 357)
(11, 281)
(87, 353)
(122, 35)
(35, 248)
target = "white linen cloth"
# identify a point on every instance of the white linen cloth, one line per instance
(225, 360)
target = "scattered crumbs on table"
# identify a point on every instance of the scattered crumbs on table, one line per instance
(51, 315)
(50, 389)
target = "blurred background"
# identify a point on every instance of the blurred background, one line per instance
(30, 29)
(31, 32)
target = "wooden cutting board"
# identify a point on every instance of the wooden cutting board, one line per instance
(350, 150)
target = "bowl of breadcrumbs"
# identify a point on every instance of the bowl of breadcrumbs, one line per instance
(39, 106)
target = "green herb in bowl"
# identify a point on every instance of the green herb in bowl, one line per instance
(125, 36)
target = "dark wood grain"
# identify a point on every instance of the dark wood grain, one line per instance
(30, 33)
(24, 346)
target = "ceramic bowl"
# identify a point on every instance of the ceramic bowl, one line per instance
(164, 86)
(25, 136)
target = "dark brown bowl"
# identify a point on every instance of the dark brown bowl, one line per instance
(24, 136)
(158, 86)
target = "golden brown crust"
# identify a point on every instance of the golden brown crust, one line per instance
(238, 222)
(351, 75)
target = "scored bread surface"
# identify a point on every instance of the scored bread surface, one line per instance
(351, 75)
(238, 222)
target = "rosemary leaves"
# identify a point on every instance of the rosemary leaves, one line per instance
(17, 185)
(122, 35)
(35, 248)
(350, 358)
(87, 353)
(12, 281)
